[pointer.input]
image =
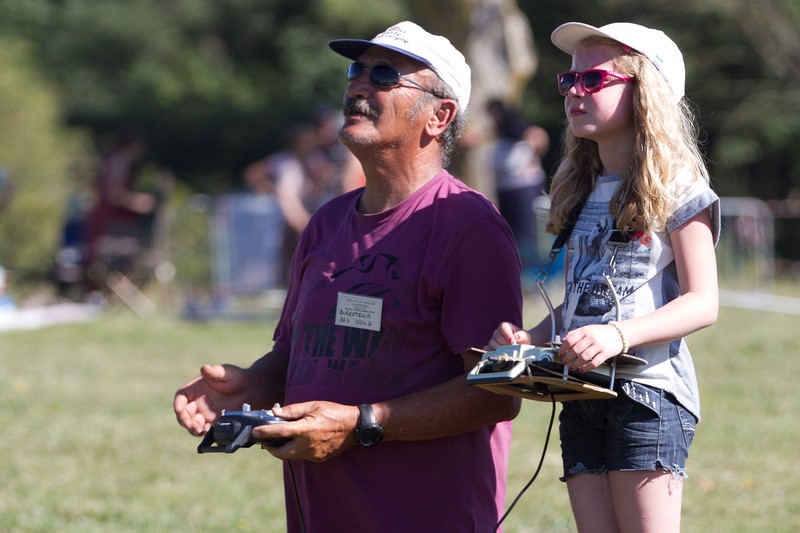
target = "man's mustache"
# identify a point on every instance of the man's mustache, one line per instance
(359, 106)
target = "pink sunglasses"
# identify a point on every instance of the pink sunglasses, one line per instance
(591, 80)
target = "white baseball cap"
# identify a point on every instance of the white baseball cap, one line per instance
(653, 44)
(435, 51)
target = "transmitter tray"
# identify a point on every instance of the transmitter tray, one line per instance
(536, 373)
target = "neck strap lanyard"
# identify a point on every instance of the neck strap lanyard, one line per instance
(618, 237)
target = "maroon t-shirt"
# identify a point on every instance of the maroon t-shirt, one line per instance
(445, 271)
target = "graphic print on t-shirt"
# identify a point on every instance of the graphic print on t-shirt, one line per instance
(591, 257)
(352, 357)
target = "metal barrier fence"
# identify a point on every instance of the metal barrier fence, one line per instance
(246, 240)
(228, 252)
(247, 244)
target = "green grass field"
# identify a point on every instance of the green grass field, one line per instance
(89, 442)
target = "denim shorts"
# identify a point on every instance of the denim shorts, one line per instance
(642, 429)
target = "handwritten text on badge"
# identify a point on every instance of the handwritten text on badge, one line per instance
(356, 311)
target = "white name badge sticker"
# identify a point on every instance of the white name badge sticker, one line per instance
(356, 311)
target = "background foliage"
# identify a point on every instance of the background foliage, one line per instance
(39, 154)
(215, 84)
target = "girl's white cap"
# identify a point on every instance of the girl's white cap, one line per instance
(653, 44)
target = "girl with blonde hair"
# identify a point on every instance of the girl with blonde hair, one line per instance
(633, 192)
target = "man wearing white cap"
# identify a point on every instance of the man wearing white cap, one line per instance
(389, 291)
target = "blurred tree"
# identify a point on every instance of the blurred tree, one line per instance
(39, 155)
(216, 83)
(761, 96)
(497, 40)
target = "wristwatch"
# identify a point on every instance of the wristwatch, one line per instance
(368, 431)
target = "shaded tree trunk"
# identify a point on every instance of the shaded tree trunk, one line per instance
(497, 40)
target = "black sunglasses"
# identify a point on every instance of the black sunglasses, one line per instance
(382, 76)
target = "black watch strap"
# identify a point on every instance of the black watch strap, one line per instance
(368, 431)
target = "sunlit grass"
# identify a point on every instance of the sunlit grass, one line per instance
(89, 441)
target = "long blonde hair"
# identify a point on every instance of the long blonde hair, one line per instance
(665, 145)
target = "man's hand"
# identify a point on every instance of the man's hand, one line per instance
(200, 401)
(319, 430)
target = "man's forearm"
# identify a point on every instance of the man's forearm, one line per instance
(451, 408)
(267, 377)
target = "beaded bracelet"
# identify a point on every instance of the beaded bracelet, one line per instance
(618, 327)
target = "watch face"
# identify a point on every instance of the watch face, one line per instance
(370, 435)
(368, 432)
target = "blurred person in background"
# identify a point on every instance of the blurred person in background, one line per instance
(301, 177)
(349, 174)
(116, 222)
(518, 176)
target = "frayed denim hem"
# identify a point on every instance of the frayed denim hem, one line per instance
(580, 468)
(677, 471)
